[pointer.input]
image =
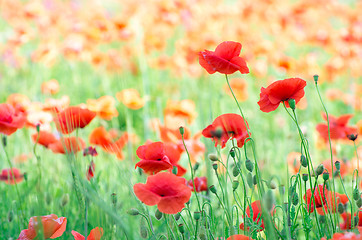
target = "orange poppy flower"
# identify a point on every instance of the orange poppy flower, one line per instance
(19, 101)
(347, 235)
(103, 106)
(11, 176)
(281, 91)
(56, 105)
(293, 160)
(130, 98)
(53, 227)
(44, 138)
(184, 109)
(10, 119)
(95, 234)
(224, 60)
(50, 87)
(73, 117)
(67, 145)
(168, 191)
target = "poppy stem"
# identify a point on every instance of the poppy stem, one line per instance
(330, 144)
(237, 103)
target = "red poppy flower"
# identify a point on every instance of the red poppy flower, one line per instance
(153, 158)
(11, 176)
(44, 138)
(91, 169)
(227, 126)
(224, 60)
(53, 227)
(238, 237)
(200, 184)
(10, 119)
(95, 234)
(323, 200)
(67, 145)
(168, 191)
(338, 127)
(347, 235)
(73, 117)
(256, 209)
(281, 91)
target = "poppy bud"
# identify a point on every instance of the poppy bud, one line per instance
(181, 228)
(177, 216)
(196, 166)
(65, 200)
(37, 128)
(236, 171)
(338, 165)
(114, 198)
(320, 169)
(249, 165)
(325, 176)
(202, 236)
(316, 78)
(10, 216)
(359, 202)
(174, 170)
(291, 103)
(269, 200)
(4, 140)
(272, 185)
(255, 180)
(356, 194)
(197, 216)
(295, 199)
(356, 220)
(235, 184)
(352, 137)
(182, 130)
(213, 157)
(214, 166)
(212, 189)
(133, 212)
(143, 229)
(232, 153)
(340, 208)
(305, 177)
(282, 189)
(158, 214)
(249, 180)
(303, 161)
(218, 132)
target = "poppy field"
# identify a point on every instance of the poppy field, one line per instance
(180, 119)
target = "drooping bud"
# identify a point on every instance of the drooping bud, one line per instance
(295, 199)
(213, 157)
(303, 161)
(291, 103)
(133, 212)
(255, 180)
(269, 200)
(236, 171)
(196, 166)
(320, 169)
(143, 228)
(232, 153)
(340, 208)
(359, 202)
(356, 194)
(249, 165)
(158, 214)
(272, 185)
(177, 216)
(235, 184)
(212, 189)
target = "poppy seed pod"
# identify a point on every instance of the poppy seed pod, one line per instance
(181, 228)
(196, 166)
(174, 170)
(338, 165)
(303, 161)
(213, 157)
(322, 219)
(212, 189)
(255, 180)
(356, 194)
(320, 169)
(197, 216)
(356, 220)
(352, 137)
(305, 177)
(249, 165)
(214, 166)
(133, 212)
(340, 208)
(291, 103)
(235, 184)
(359, 202)
(316, 78)
(325, 176)
(158, 214)
(4, 140)
(182, 130)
